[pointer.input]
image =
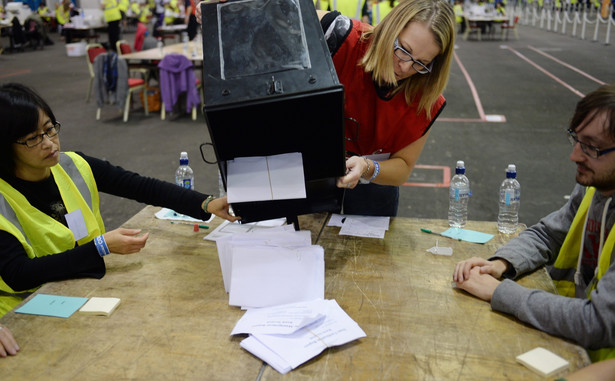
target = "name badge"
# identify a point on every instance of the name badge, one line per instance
(76, 224)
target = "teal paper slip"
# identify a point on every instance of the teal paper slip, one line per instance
(52, 305)
(467, 235)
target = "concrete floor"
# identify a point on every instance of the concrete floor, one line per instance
(527, 82)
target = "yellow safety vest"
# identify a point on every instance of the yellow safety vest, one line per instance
(324, 4)
(123, 5)
(458, 13)
(568, 257)
(40, 234)
(62, 16)
(380, 10)
(112, 11)
(349, 8)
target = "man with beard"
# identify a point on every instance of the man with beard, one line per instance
(576, 242)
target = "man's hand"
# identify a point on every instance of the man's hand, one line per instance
(494, 268)
(480, 285)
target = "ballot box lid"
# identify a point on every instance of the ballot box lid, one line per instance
(263, 48)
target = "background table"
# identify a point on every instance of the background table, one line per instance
(174, 320)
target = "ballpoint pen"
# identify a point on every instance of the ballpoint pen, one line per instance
(432, 232)
(190, 223)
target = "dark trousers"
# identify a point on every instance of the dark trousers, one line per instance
(113, 29)
(371, 200)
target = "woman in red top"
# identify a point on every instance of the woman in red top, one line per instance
(393, 76)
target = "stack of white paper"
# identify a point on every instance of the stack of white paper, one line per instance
(286, 336)
(271, 266)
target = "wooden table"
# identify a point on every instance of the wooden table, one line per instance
(154, 55)
(174, 320)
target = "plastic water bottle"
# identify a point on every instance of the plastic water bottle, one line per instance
(160, 45)
(510, 198)
(184, 177)
(185, 41)
(459, 195)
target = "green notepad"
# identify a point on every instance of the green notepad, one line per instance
(52, 305)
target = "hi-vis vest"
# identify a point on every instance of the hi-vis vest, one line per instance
(40, 234)
(349, 8)
(566, 263)
(380, 10)
(112, 11)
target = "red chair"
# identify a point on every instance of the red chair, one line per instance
(92, 51)
(507, 26)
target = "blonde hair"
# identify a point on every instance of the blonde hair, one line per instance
(439, 16)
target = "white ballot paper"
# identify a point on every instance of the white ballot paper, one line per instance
(365, 226)
(262, 178)
(303, 331)
(263, 276)
(284, 236)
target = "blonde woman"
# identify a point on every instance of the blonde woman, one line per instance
(393, 76)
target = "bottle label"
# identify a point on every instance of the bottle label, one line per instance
(187, 183)
(511, 195)
(460, 194)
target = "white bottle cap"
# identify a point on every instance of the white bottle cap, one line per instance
(183, 155)
(460, 164)
(511, 168)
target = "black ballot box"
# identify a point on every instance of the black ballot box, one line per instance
(270, 88)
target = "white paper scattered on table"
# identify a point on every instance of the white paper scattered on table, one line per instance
(365, 226)
(227, 228)
(325, 325)
(262, 178)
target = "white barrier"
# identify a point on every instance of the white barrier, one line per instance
(554, 18)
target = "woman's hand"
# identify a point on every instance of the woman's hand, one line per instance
(8, 345)
(220, 207)
(125, 241)
(356, 166)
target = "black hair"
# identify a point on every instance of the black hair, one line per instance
(19, 116)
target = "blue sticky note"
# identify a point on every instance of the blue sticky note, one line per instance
(467, 235)
(52, 305)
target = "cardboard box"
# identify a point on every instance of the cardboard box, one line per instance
(76, 49)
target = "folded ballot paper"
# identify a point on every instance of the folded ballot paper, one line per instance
(286, 336)
(270, 267)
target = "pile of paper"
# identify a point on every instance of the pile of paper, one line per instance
(269, 267)
(286, 336)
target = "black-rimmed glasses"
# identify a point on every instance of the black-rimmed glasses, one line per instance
(589, 150)
(38, 139)
(403, 55)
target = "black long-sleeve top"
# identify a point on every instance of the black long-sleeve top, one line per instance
(23, 273)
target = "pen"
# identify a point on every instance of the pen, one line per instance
(432, 232)
(190, 223)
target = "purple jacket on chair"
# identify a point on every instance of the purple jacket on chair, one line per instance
(176, 77)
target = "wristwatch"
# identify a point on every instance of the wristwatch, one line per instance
(207, 201)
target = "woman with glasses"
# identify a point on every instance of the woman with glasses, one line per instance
(393, 76)
(50, 223)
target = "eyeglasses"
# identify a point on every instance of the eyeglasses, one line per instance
(38, 139)
(403, 55)
(589, 150)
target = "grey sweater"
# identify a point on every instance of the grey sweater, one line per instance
(590, 323)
